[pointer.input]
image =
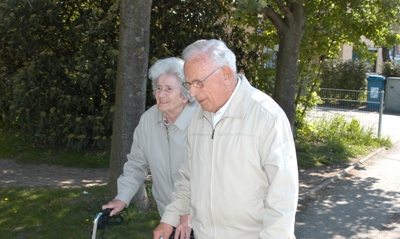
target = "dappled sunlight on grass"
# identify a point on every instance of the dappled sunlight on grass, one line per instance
(66, 213)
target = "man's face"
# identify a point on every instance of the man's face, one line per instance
(211, 96)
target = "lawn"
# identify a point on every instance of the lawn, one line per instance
(66, 213)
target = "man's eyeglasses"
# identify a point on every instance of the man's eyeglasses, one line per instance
(198, 83)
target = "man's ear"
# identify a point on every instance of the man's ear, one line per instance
(228, 75)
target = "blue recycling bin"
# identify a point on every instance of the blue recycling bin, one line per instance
(376, 84)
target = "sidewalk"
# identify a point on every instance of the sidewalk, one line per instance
(364, 204)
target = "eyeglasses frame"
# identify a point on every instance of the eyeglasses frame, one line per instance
(199, 83)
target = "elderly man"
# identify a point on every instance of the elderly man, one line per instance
(240, 179)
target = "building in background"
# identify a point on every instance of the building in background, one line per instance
(347, 53)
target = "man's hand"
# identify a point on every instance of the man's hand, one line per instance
(162, 230)
(116, 206)
(184, 228)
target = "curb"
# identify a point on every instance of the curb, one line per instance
(335, 178)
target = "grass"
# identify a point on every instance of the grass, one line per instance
(66, 213)
(24, 149)
(335, 141)
(50, 213)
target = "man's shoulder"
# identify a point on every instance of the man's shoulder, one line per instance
(264, 101)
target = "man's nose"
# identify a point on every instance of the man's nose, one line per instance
(193, 91)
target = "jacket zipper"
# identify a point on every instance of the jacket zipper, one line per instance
(213, 128)
(169, 151)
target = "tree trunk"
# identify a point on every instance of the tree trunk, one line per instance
(134, 38)
(286, 72)
(385, 54)
(290, 29)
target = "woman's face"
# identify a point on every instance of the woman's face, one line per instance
(168, 95)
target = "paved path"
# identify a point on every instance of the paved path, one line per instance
(362, 201)
(366, 204)
(42, 175)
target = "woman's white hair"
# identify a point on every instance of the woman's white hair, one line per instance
(216, 50)
(171, 65)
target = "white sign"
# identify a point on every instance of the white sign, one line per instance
(374, 93)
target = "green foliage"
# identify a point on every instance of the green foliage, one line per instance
(175, 24)
(19, 146)
(304, 103)
(259, 42)
(67, 213)
(58, 59)
(257, 56)
(327, 142)
(58, 67)
(333, 23)
(391, 69)
(349, 75)
(330, 24)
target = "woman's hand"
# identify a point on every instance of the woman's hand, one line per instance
(163, 230)
(116, 206)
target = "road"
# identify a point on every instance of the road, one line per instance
(364, 204)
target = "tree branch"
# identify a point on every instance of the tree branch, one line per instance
(289, 17)
(275, 18)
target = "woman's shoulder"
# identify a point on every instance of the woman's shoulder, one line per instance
(151, 114)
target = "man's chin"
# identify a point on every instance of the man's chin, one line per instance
(206, 108)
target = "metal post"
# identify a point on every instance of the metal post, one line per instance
(381, 113)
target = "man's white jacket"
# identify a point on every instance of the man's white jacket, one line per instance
(241, 178)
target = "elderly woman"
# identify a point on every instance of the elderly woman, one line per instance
(159, 140)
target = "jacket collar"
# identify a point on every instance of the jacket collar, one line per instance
(184, 118)
(186, 115)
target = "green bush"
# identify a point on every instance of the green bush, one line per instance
(333, 141)
(58, 67)
(348, 75)
(58, 61)
(390, 69)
